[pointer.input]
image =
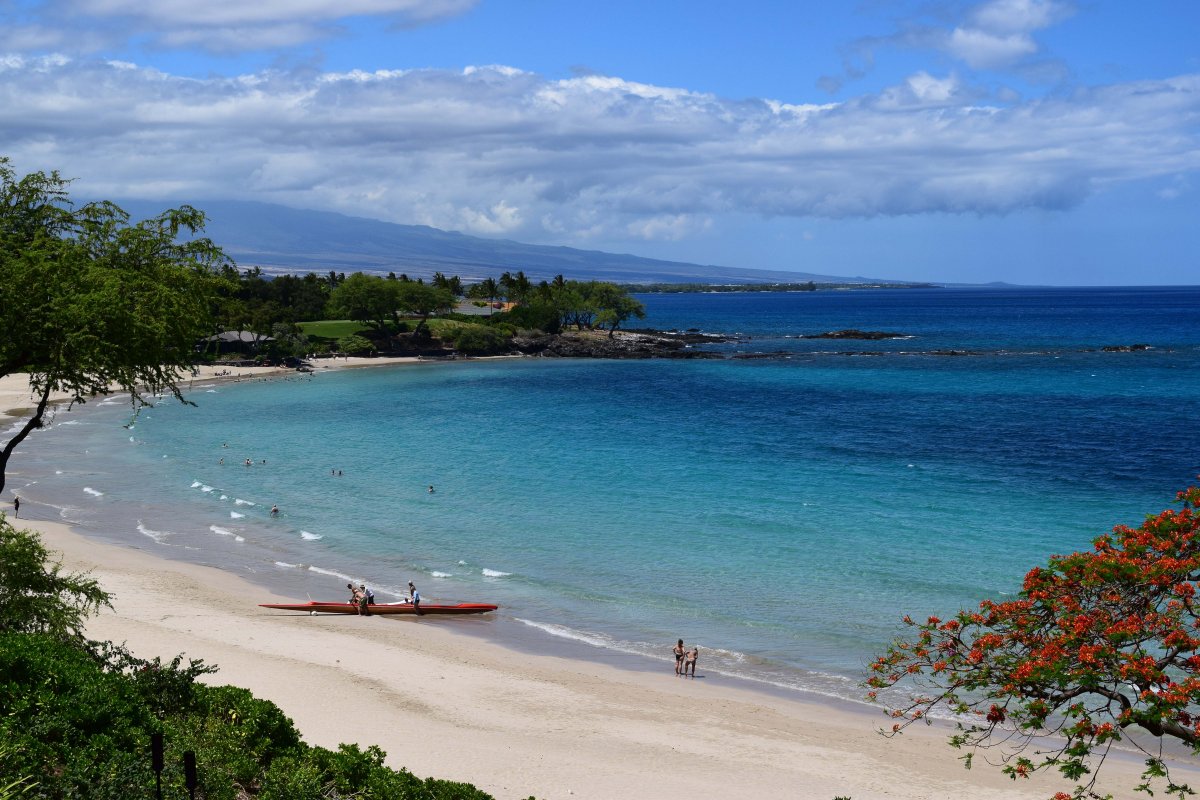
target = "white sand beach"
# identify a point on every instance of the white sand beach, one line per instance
(453, 706)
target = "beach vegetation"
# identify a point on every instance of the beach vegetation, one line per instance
(37, 595)
(475, 340)
(1099, 648)
(78, 716)
(355, 345)
(91, 303)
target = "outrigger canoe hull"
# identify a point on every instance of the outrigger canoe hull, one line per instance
(382, 608)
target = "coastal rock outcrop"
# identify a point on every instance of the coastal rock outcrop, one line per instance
(854, 333)
(624, 344)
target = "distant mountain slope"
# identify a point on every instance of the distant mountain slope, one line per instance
(282, 239)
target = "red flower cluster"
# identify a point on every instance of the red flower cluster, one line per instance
(1095, 643)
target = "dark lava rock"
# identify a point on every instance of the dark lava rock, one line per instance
(1124, 348)
(854, 333)
(625, 344)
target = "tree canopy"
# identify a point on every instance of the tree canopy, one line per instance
(1096, 645)
(90, 303)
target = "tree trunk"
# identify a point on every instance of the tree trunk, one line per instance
(34, 422)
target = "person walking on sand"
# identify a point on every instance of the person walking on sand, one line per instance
(689, 662)
(679, 653)
(416, 598)
(16, 506)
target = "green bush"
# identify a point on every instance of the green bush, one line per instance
(78, 716)
(536, 315)
(355, 345)
(478, 340)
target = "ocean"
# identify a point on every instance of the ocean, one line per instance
(781, 508)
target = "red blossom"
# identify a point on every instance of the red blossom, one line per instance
(1083, 621)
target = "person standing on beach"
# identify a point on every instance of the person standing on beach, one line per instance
(690, 661)
(416, 598)
(16, 506)
(679, 653)
(365, 598)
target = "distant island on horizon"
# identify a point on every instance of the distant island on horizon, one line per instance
(280, 239)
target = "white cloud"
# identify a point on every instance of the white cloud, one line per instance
(1019, 16)
(1000, 31)
(996, 34)
(500, 151)
(214, 25)
(981, 48)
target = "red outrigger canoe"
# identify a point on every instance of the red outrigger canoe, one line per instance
(319, 607)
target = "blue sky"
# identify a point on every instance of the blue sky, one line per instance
(1028, 141)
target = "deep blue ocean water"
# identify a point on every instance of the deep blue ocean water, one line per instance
(782, 513)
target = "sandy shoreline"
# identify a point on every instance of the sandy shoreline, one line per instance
(454, 706)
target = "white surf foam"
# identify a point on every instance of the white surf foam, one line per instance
(436, 574)
(236, 515)
(493, 573)
(241, 502)
(196, 484)
(153, 534)
(206, 489)
(93, 492)
(310, 536)
(225, 532)
(563, 632)
(339, 575)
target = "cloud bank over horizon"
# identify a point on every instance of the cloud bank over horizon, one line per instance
(942, 111)
(498, 151)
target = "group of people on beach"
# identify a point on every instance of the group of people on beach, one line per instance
(685, 660)
(363, 598)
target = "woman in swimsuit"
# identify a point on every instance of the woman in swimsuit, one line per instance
(689, 661)
(679, 653)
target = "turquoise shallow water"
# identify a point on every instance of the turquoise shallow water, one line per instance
(782, 513)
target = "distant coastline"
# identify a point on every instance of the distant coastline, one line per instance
(802, 286)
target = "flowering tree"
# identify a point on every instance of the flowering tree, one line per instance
(1096, 644)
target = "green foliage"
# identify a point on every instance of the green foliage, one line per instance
(480, 340)
(36, 594)
(355, 345)
(14, 786)
(1096, 643)
(535, 316)
(68, 721)
(80, 719)
(423, 300)
(368, 299)
(89, 300)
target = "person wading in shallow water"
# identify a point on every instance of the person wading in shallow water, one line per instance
(679, 654)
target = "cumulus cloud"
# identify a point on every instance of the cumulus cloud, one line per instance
(995, 34)
(215, 25)
(500, 151)
(999, 32)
